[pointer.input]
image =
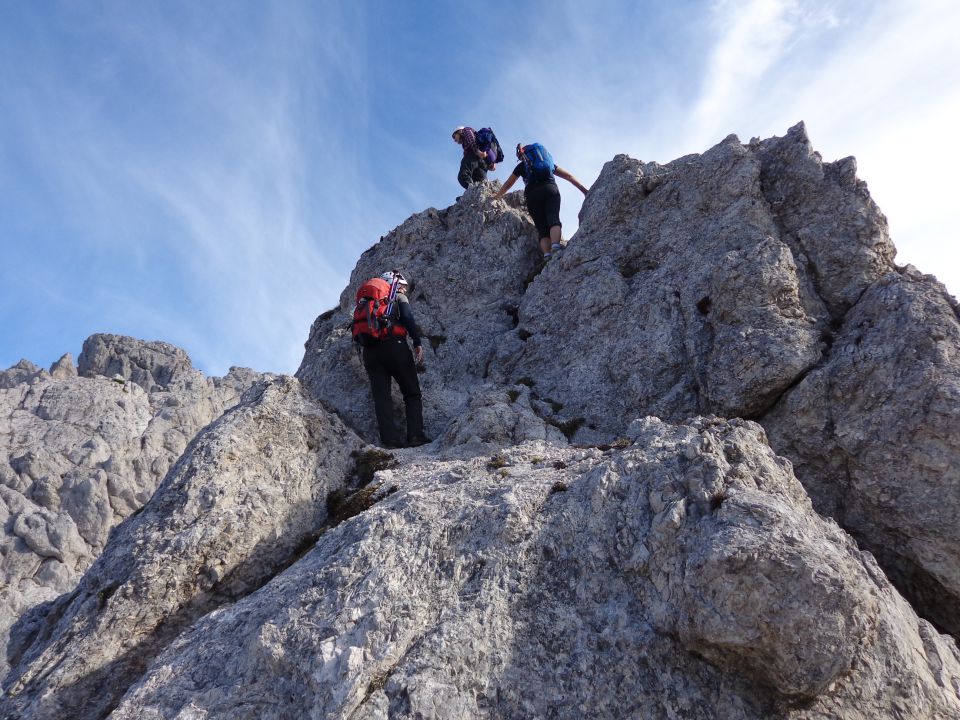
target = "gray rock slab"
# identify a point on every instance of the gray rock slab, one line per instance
(151, 365)
(468, 265)
(703, 285)
(682, 575)
(716, 283)
(240, 503)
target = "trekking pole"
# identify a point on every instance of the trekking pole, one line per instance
(391, 298)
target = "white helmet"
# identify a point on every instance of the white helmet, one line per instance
(389, 276)
(454, 133)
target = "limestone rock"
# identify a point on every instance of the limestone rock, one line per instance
(238, 506)
(63, 369)
(468, 265)
(684, 575)
(80, 454)
(495, 418)
(695, 286)
(151, 365)
(718, 283)
(827, 218)
(23, 372)
(873, 433)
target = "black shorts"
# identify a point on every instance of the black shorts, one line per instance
(543, 204)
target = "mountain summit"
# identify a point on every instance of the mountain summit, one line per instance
(705, 463)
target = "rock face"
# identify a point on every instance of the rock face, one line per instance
(676, 577)
(587, 536)
(80, 454)
(151, 365)
(249, 492)
(718, 283)
(707, 280)
(468, 266)
(875, 435)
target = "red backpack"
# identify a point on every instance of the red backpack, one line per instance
(376, 314)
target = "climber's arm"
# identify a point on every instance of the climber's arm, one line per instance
(505, 187)
(557, 170)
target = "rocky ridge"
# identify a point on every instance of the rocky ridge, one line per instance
(587, 537)
(752, 280)
(84, 448)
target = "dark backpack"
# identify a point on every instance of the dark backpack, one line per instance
(487, 140)
(537, 162)
(376, 313)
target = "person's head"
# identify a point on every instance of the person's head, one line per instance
(402, 283)
(458, 135)
(519, 150)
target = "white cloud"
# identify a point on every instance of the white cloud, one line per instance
(752, 37)
(885, 89)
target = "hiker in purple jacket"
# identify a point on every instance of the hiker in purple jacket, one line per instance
(475, 162)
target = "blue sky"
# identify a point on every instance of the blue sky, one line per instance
(208, 173)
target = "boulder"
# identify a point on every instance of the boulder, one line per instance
(873, 433)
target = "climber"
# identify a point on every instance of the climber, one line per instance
(537, 169)
(381, 322)
(475, 162)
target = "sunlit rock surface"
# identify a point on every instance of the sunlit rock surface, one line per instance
(587, 536)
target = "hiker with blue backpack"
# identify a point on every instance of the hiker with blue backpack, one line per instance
(538, 169)
(481, 152)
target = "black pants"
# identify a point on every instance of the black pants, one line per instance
(472, 170)
(543, 204)
(391, 359)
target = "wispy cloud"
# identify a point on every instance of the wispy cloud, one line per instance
(873, 79)
(234, 200)
(209, 178)
(750, 40)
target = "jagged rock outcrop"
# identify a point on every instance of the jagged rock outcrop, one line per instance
(80, 454)
(23, 372)
(705, 285)
(238, 506)
(468, 266)
(151, 365)
(695, 286)
(585, 537)
(716, 284)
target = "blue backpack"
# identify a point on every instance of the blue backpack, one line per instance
(537, 162)
(487, 140)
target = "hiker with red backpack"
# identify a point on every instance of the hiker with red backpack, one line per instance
(382, 320)
(538, 169)
(481, 152)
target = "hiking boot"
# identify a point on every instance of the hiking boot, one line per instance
(418, 440)
(556, 248)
